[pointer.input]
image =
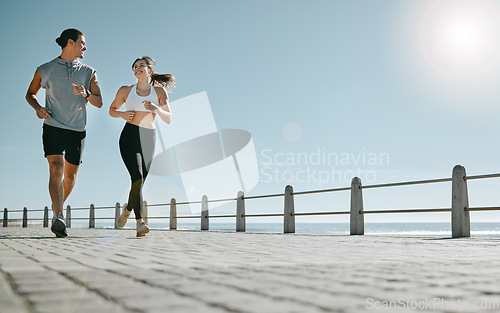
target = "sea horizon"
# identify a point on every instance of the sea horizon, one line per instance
(478, 229)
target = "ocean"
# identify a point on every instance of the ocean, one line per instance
(405, 229)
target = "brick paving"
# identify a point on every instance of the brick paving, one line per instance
(98, 270)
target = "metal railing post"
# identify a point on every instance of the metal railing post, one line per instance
(357, 221)
(117, 214)
(46, 216)
(240, 212)
(92, 216)
(25, 217)
(173, 214)
(204, 213)
(289, 211)
(68, 216)
(144, 211)
(460, 220)
(5, 217)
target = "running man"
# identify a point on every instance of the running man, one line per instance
(68, 85)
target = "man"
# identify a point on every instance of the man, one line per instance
(68, 85)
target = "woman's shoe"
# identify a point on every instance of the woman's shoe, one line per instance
(142, 229)
(122, 220)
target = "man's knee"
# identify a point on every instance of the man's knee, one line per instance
(56, 169)
(70, 172)
(70, 178)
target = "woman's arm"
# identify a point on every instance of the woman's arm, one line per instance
(121, 97)
(163, 110)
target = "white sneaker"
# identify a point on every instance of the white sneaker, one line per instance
(142, 229)
(122, 220)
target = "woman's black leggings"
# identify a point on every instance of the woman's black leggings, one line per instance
(137, 147)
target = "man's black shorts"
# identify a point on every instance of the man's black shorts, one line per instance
(58, 141)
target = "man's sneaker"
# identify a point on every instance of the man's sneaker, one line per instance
(59, 226)
(122, 220)
(142, 229)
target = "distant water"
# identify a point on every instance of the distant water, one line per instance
(408, 229)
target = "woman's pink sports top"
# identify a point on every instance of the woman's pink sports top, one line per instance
(134, 101)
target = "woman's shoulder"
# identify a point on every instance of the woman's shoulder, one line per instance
(161, 91)
(125, 89)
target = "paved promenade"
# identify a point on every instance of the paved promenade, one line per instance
(214, 272)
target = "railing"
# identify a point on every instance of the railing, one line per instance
(460, 220)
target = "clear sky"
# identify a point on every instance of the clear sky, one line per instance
(390, 90)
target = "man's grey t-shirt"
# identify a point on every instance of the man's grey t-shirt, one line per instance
(68, 111)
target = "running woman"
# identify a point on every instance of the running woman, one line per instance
(144, 101)
(69, 85)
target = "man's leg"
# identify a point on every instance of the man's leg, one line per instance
(56, 170)
(68, 182)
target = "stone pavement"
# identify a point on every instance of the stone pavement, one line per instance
(98, 270)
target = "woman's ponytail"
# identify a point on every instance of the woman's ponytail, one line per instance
(164, 80)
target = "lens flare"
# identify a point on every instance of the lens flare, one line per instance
(461, 38)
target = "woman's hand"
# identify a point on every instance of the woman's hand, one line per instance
(150, 106)
(128, 115)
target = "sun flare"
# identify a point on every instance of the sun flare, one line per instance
(461, 38)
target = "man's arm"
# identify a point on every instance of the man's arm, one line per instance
(33, 89)
(95, 92)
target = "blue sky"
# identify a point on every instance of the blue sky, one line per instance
(404, 81)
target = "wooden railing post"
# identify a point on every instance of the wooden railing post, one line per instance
(144, 211)
(25, 217)
(5, 217)
(204, 213)
(92, 216)
(240, 212)
(460, 221)
(68, 216)
(289, 211)
(46, 216)
(173, 214)
(117, 214)
(357, 218)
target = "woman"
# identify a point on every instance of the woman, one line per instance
(144, 101)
